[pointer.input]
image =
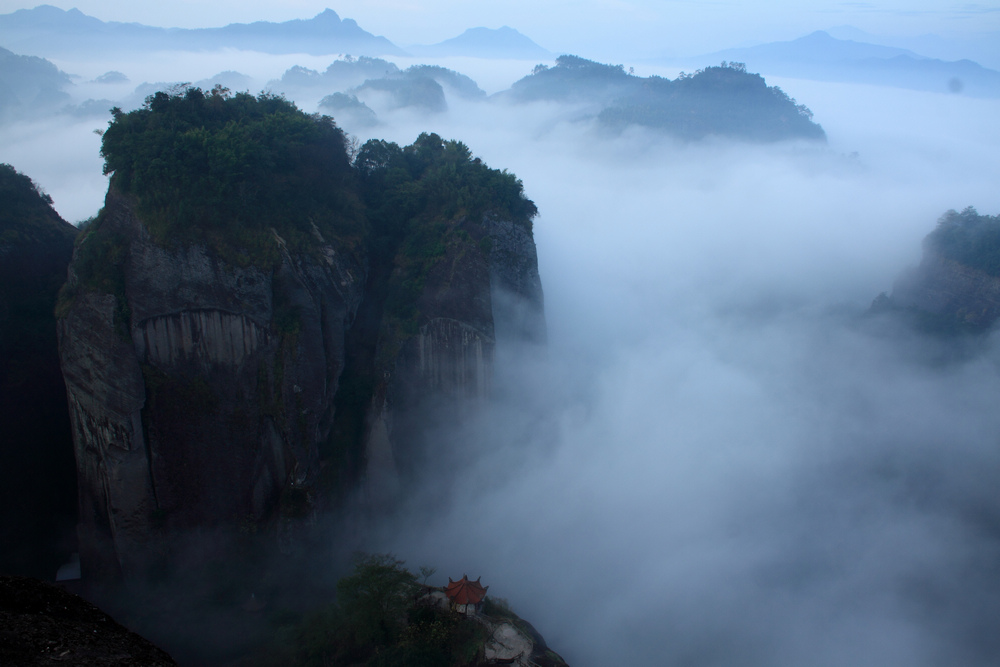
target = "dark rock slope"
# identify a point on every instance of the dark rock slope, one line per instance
(956, 287)
(41, 624)
(232, 358)
(37, 479)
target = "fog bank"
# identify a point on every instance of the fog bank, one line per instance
(716, 460)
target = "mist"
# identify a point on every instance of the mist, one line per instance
(717, 458)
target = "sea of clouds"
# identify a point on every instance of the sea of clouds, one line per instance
(716, 459)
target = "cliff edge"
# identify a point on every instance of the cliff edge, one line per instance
(956, 287)
(37, 475)
(254, 324)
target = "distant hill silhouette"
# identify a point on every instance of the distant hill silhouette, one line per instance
(29, 85)
(505, 42)
(982, 47)
(726, 101)
(49, 30)
(824, 57)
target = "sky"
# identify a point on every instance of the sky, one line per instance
(597, 28)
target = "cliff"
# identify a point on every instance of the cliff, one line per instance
(244, 347)
(200, 395)
(956, 287)
(947, 288)
(463, 278)
(37, 478)
(484, 291)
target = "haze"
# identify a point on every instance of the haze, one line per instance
(716, 460)
(592, 28)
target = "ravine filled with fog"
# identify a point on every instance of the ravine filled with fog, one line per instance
(718, 457)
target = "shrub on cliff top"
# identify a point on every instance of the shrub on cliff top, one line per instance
(210, 165)
(969, 238)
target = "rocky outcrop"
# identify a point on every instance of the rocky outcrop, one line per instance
(484, 292)
(949, 290)
(229, 367)
(37, 473)
(201, 389)
(515, 286)
(41, 624)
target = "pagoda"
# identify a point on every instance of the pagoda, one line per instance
(466, 596)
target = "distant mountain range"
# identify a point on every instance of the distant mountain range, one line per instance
(49, 31)
(823, 57)
(29, 84)
(984, 48)
(502, 42)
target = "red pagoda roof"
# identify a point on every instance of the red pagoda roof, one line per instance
(464, 591)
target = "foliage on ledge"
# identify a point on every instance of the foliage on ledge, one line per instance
(224, 169)
(968, 238)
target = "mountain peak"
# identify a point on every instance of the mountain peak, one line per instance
(327, 15)
(503, 42)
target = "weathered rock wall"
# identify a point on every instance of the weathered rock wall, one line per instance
(946, 288)
(516, 295)
(484, 292)
(202, 393)
(37, 476)
(207, 396)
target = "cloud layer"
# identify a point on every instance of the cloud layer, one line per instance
(716, 460)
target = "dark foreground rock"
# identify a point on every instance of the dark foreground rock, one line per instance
(37, 470)
(41, 624)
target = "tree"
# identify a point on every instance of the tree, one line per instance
(375, 598)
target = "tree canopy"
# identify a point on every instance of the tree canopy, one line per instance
(722, 100)
(969, 238)
(213, 163)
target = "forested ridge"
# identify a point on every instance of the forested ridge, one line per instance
(969, 238)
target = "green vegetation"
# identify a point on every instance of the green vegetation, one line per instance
(27, 215)
(35, 249)
(379, 620)
(223, 170)
(573, 79)
(969, 238)
(418, 200)
(725, 100)
(229, 173)
(418, 197)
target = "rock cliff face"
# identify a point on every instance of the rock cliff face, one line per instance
(229, 368)
(37, 477)
(956, 287)
(201, 393)
(946, 288)
(483, 292)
